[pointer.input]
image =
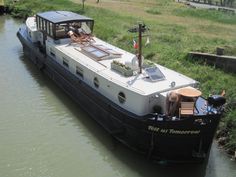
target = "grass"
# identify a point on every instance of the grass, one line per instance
(175, 30)
(155, 11)
(211, 15)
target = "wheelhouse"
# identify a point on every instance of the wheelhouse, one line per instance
(57, 24)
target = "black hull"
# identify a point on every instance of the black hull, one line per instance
(174, 141)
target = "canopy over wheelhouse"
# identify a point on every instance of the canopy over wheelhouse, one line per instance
(56, 24)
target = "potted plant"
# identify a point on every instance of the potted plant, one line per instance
(121, 68)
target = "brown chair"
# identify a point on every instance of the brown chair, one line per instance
(78, 39)
(186, 108)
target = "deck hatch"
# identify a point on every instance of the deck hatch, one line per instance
(155, 74)
(89, 49)
(100, 52)
(95, 52)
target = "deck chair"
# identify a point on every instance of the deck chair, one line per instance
(78, 39)
(186, 108)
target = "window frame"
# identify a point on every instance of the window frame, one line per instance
(96, 82)
(121, 97)
(65, 62)
(79, 72)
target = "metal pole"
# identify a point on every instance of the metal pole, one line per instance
(83, 4)
(140, 47)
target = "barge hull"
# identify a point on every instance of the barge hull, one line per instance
(138, 133)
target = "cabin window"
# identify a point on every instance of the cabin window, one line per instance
(96, 82)
(44, 25)
(65, 62)
(37, 21)
(51, 29)
(80, 71)
(61, 30)
(52, 52)
(40, 23)
(90, 25)
(121, 97)
(48, 27)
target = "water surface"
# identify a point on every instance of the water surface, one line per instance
(43, 133)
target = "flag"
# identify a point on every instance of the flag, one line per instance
(147, 42)
(135, 44)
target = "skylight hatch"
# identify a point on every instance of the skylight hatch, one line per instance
(154, 74)
(100, 52)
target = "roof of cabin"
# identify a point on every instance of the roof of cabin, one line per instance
(62, 16)
(138, 82)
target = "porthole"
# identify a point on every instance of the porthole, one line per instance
(121, 97)
(96, 82)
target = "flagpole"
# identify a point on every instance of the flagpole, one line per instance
(140, 47)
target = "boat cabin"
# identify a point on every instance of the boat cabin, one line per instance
(57, 24)
(66, 37)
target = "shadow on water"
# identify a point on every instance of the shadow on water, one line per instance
(131, 160)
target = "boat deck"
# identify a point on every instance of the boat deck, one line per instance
(138, 82)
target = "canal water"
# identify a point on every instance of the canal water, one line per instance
(43, 133)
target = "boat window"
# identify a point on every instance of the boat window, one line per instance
(121, 97)
(85, 28)
(65, 62)
(37, 22)
(44, 25)
(61, 30)
(80, 71)
(51, 29)
(52, 52)
(96, 82)
(38, 19)
(48, 27)
(89, 24)
(30, 34)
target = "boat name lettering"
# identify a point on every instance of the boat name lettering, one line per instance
(173, 131)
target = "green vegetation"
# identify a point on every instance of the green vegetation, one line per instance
(212, 15)
(175, 30)
(153, 11)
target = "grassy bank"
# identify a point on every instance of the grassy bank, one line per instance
(175, 30)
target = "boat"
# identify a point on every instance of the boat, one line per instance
(153, 110)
